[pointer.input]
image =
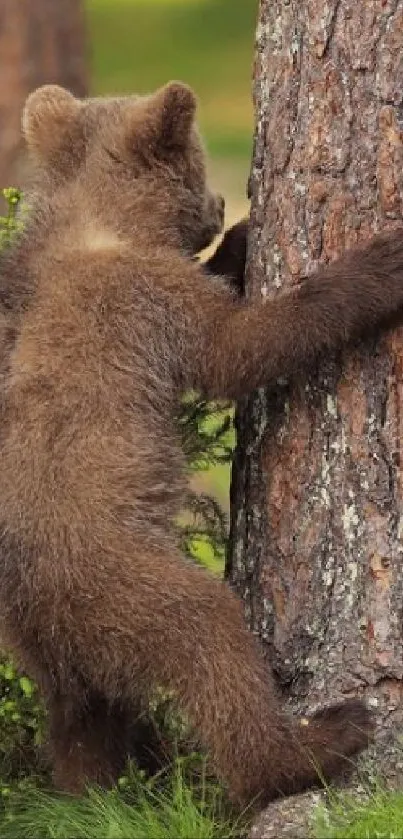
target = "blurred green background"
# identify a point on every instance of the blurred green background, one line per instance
(137, 45)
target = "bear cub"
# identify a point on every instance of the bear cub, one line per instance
(116, 320)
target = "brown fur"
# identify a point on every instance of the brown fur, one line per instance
(116, 320)
(228, 260)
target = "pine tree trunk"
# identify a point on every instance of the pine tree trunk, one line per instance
(41, 41)
(316, 546)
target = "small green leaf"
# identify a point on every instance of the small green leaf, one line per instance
(26, 686)
(9, 672)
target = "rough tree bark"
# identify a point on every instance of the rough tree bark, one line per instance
(316, 546)
(40, 42)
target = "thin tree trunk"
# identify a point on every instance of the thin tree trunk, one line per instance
(41, 41)
(317, 501)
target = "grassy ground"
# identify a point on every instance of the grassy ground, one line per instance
(177, 811)
(375, 816)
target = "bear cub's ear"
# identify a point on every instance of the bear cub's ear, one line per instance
(176, 104)
(163, 120)
(47, 118)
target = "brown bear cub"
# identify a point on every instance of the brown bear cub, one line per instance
(117, 321)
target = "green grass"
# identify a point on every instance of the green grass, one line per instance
(378, 815)
(178, 811)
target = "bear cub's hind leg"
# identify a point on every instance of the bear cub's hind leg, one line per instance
(90, 743)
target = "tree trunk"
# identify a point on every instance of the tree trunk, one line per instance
(41, 41)
(317, 499)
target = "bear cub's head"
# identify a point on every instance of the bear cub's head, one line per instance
(132, 163)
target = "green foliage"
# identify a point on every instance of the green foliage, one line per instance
(206, 429)
(373, 815)
(208, 441)
(21, 725)
(9, 223)
(21, 711)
